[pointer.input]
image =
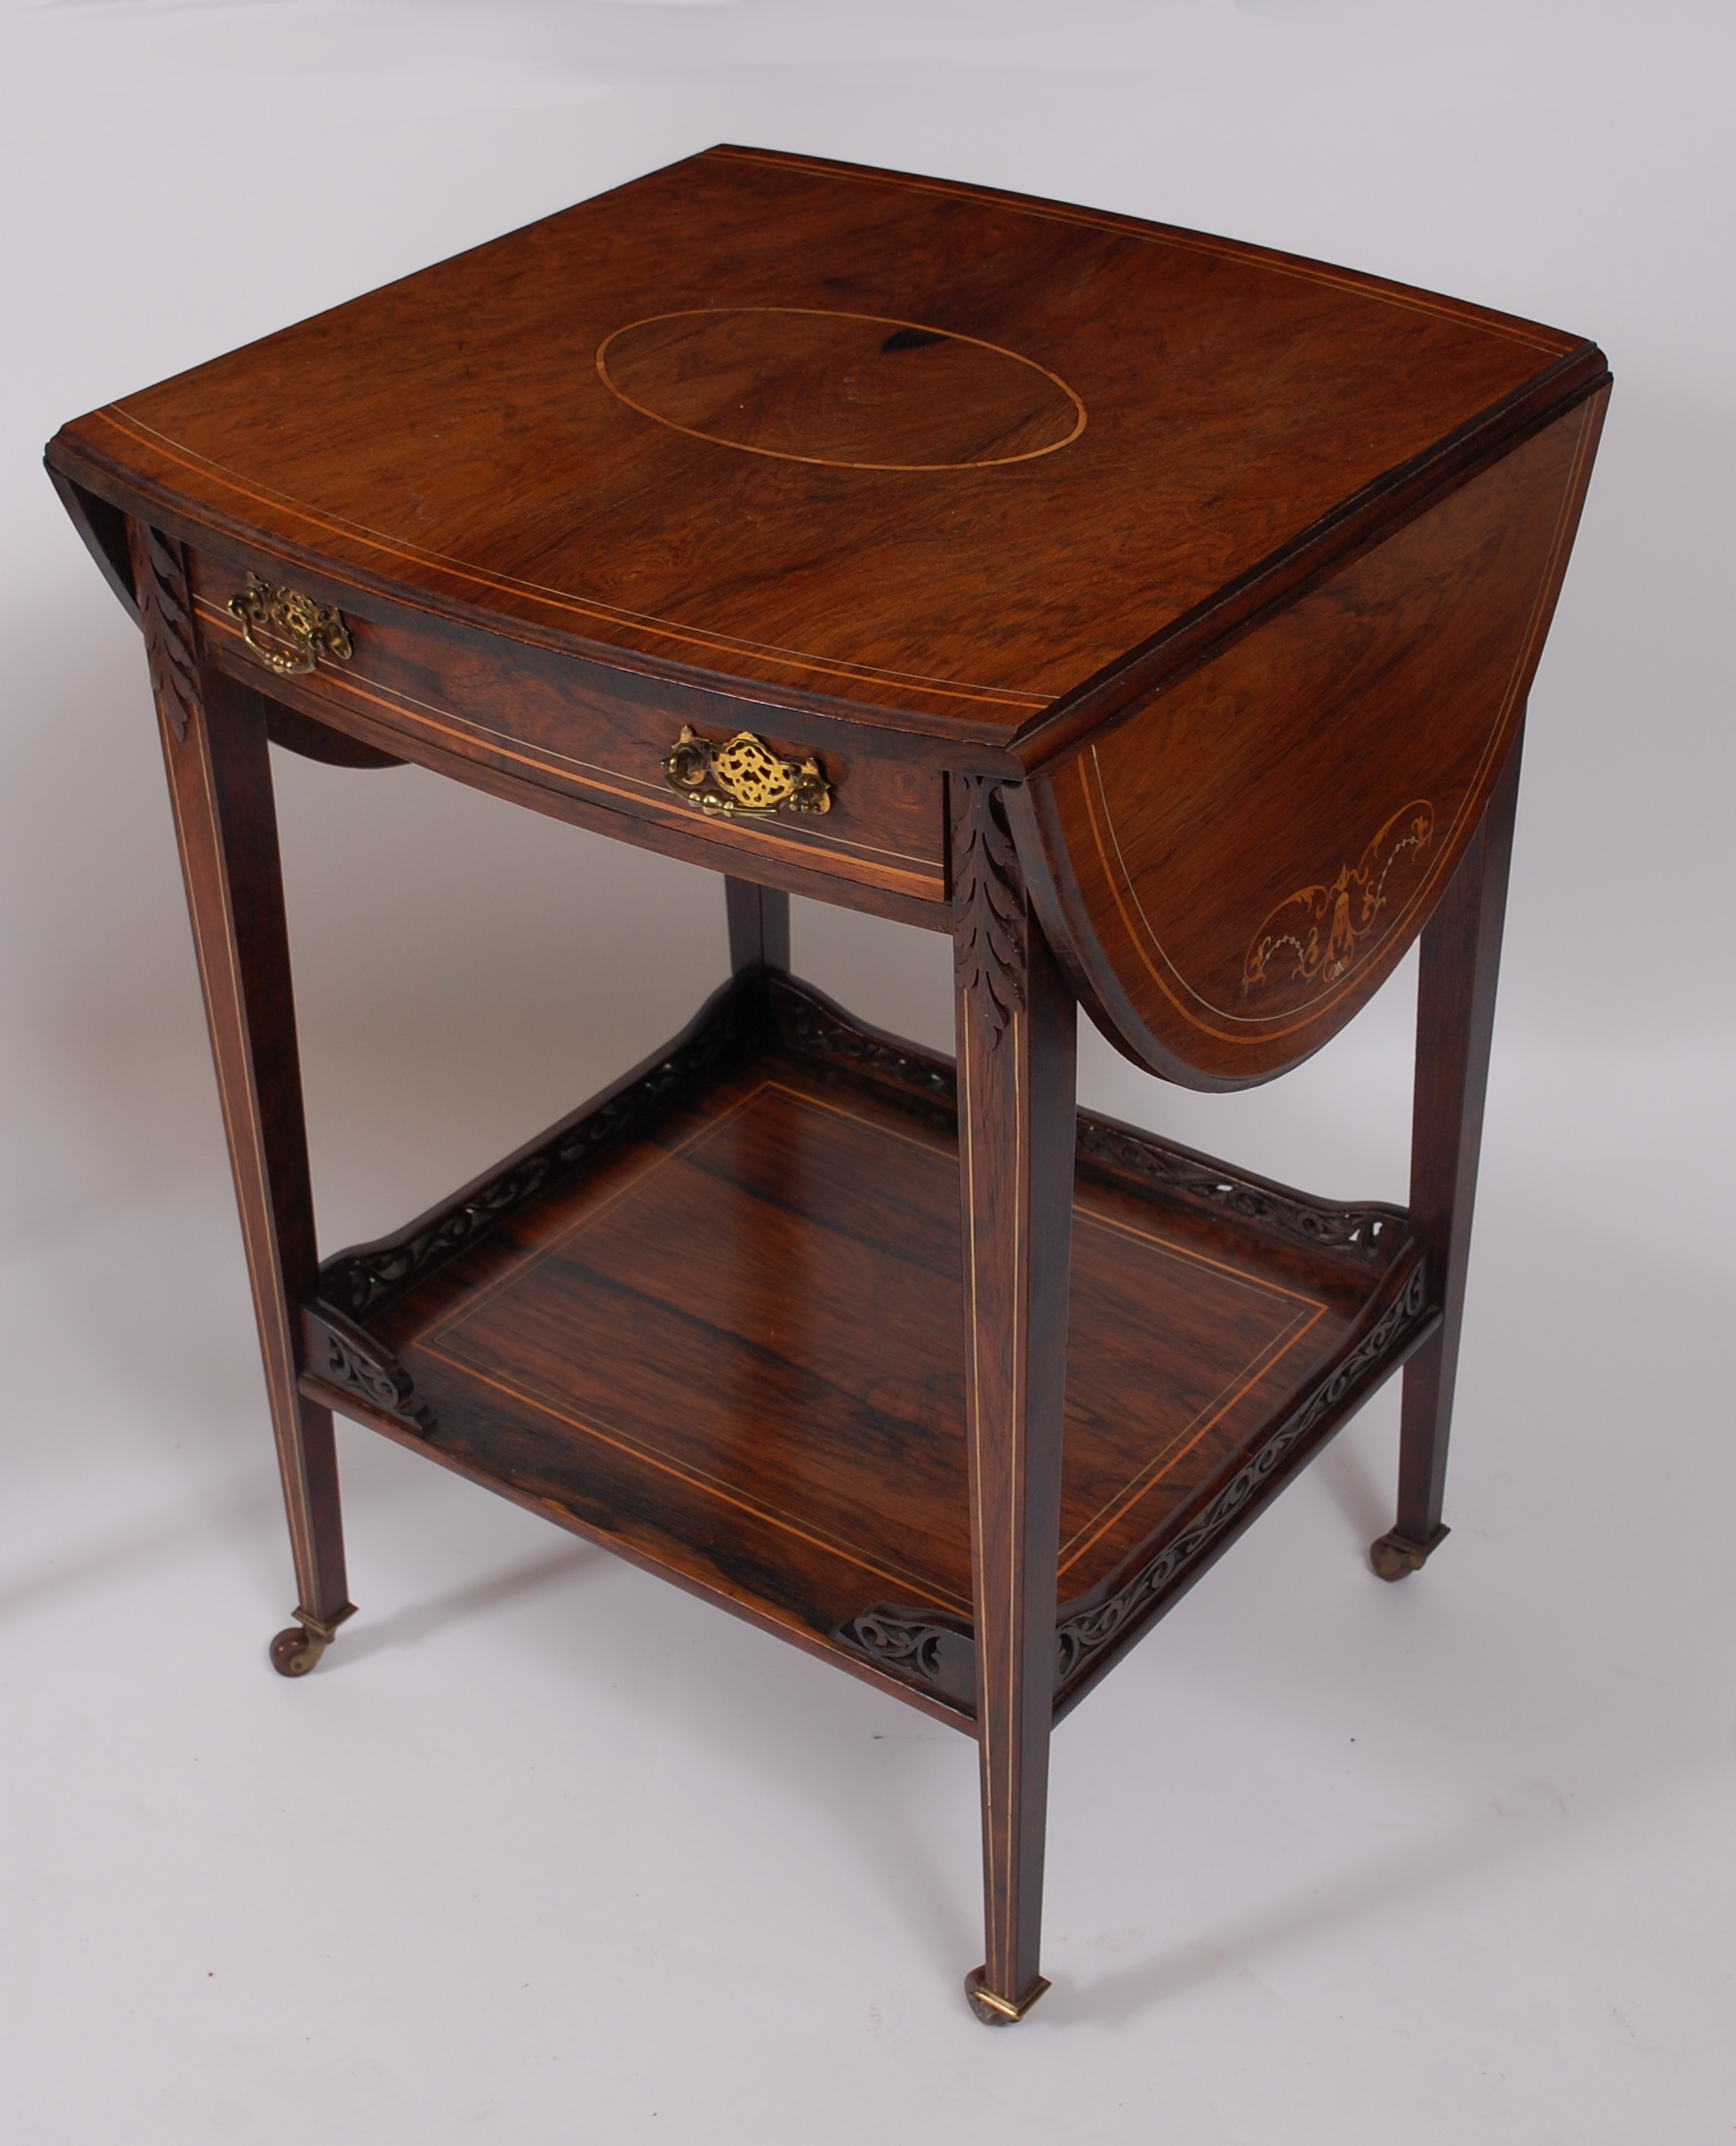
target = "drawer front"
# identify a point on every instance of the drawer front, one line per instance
(430, 691)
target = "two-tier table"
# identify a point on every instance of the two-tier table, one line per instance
(1153, 614)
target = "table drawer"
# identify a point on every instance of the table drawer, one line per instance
(595, 735)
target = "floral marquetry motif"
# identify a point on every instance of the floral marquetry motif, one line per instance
(1316, 934)
(1230, 873)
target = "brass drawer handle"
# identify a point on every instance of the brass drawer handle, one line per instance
(744, 777)
(311, 628)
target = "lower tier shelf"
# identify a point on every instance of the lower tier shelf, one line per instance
(714, 1320)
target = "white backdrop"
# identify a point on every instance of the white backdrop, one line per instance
(546, 1852)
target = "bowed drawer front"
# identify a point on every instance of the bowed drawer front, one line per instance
(723, 777)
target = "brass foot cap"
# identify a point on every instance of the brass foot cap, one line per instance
(998, 2010)
(295, 1651)
(1394, 1555)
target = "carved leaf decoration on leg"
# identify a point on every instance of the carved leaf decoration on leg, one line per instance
(166, 614)
(987, 900)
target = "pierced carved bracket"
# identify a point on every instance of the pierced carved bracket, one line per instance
(809, 1024)
(359, 1282)
(744, 778)
(344, 1356)
(938, 1651)
(988, 903)
(1369, 1233)
(165, 613)
(1079, 1637)
(919, 1646)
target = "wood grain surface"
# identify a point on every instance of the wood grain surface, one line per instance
(1094, 428)
(1234, 870)
(1016, 1028)
(569, 735)
(216, 757)
(731, 1342)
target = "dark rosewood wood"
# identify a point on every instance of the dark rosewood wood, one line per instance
(299, 733)
(105, 529)
(1015, 1032)
(1455, 1027)
(363, 1279)
(1231, 875)
(759, 926)
(1091, 1635)
(219, 781)
(549, 1331)
(865, 543)
(570, 727)
(515, 697)
(1157, 613)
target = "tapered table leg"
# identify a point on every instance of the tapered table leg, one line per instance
(1016, 1027)
(1455, 1020)
(220, 779)
(759, 926)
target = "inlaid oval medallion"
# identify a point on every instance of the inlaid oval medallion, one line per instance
(848, 389)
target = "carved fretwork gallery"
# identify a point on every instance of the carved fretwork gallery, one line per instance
(972, 563)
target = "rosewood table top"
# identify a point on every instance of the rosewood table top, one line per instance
(904, 444)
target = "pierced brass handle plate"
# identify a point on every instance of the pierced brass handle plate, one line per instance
(744, 779)
(310, 629)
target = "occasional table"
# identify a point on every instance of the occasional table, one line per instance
(1152, 613)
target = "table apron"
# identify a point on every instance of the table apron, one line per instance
(588, 744)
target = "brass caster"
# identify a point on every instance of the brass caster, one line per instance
(296, 1650)
(1395, 1556)
(998, 2010)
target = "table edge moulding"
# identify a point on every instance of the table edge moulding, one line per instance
(1152, 614)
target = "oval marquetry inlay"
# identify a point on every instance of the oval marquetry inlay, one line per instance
(848, 389)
